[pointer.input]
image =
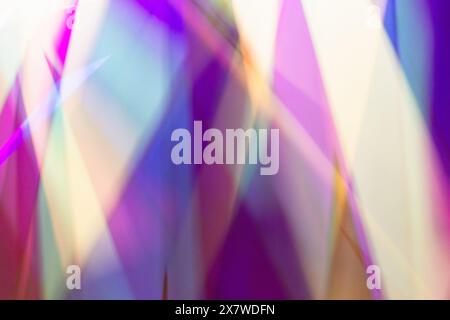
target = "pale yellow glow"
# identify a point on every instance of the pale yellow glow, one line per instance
(257, 22)
(384, 140)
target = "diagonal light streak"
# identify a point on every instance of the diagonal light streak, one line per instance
(55, 99)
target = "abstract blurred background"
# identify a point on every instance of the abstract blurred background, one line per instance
(90, 92)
